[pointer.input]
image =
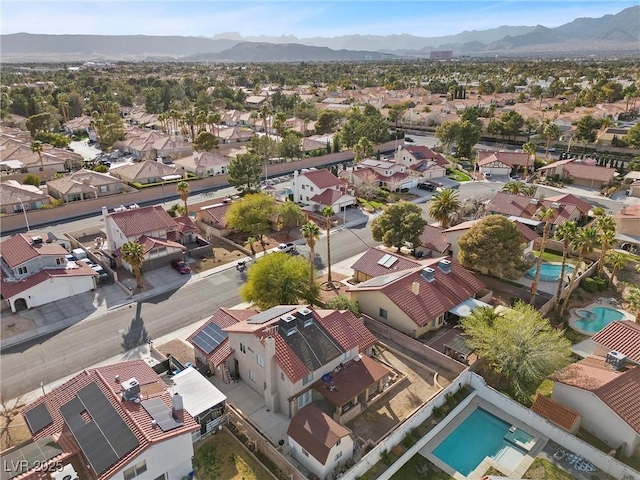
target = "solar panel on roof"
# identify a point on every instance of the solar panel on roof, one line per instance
(159, 411)
(384, 279)
(273, 312)
(38, 418)
(209, 338)
(28, 457)
(387, 260)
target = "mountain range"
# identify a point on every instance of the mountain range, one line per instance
(619, 33)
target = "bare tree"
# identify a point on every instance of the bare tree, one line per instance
(9, 408)
(368, 185)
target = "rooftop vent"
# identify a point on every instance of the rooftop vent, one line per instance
(616, 359)
(415, 288)
(130, 389)
(36, 240)
(445, 266)
(287, 325)
(429, 274)
(533, 201)
(305, 317)
(555, 205)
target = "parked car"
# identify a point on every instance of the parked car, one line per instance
(181, 266)
(427, 186)
(285, 247)
(408, 139)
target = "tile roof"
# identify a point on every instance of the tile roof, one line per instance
(82, 181)
(622, 395)
(12, 192)
(588, 374)
(149, 243)
(527, 207)
(143, 170)
(512, 159)
(420, 152)
(571, 199)
(185, 224)
(288, 361)
(134, 414)
(217, 214)
(628, 212)
(555, 412)
(368, 263)
(528, 234)
(316, 432)
(18, 249)
(589, 172)
(138, 221)
(10, 289)
(433, 238)
(622, 336)
(322, 178)
(329, 197)
(346, 329)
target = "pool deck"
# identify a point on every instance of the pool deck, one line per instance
(599, 302)
(539, 442)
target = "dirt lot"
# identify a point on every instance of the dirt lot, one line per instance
(416, 389)
(178, 349)
(16, 432)
(221, 253)
(11, 325)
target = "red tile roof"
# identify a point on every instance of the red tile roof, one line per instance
(144, 220)
(316, 432)
(18, 249)
(555, 412)
(433, 238)
(629, 211)
(420, 152)
(508, 204)
(288, 361)
(328, 198)
(185, 224)
(322, 178)
(588, 374)
(589, 172)
(526, 207)
(149, 243)
(622, 336)
(223, 317)
(512, 159)
(528, 234)
(368, 263)
(622, 395)
(568, 198)
(134, 414)
(217, 213)
(11, 289)
(346, 329)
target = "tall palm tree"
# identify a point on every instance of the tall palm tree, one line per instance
(544, 215)
(442, 205)
(327, 213)
(606, 227)
(311, 233)
(183, 191)
(617, 260)
(584, 242)
(133, 254)
(565, 233)
(632, 296)
(530, 149)
(551, 132)
(36, 147)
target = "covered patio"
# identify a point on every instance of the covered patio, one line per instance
(465, 308)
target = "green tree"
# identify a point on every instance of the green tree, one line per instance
(108, 125)
(530, 149)
(327, 213)
(586, 129)
(290, 146)
(264, 147)
(133, 254)
(363, 149)
(485, 244)
(279, 279)
(252, 214)
(31, 179)
(327, 122)
(512, 123)
(520, 188)
(632, 138)
(340, 302)
(245, 172)
(183, 191)
(36, 147)
(545, 215)
(606, 226)
(585, 240)
(519, 345)
(447, 133)
(632, 297)
(205, 142)
(443, 204)
(551, 132)
(311, 233)
(41, 122)
(617, 261)
(289, 215)
(565, 233)
(399, 224)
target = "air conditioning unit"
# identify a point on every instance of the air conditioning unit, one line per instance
(67, 473)
(616, 359)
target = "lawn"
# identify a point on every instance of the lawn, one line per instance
(543, 389)
(370, 204)
(459, 176)
(554, 257)
(221, 457)
(542, 469)
(419, 468)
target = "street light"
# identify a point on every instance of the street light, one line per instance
(25, 215)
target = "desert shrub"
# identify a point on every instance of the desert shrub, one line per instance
(589, 284)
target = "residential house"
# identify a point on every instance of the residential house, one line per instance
(16, 155)
(211, 219)
(146, 172)
(300, 125)
(85, 185)
(151, 226)
(318, 442)
(634, 189)
(82, 123)
(622, 337)
(557, 413)
(422, 161)
(608, 136)
(35, 273)
(420, 299)
(607, 396)
(282, 351)
(628, 228)
(503, 163)
(234, 135)
(255, 101)
(204, 164)
(376, 262)
(186, 230)
(151, 144)
(321, 188)
(390, 174)
(580, 172)
(16, 197)
(119, 421)
(233, 118)
(433, 242)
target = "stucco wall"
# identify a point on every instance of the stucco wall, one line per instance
(54, 289)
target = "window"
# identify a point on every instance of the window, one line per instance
(161, 477)
(305, 453)
(104, 188)
(338, 455)
(136, 470)
(304, 399)
(383, 313)
(22, 270)
(307, 379)
(346, 355)
(282, 376)
(61, 261)
(338, 442)
(242, 349)
(252, 376)
(300, 197)
(303, 187)
(260, 360)
(307, 199)
(311, 188)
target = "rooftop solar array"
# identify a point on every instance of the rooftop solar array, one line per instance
(385, 279)
(30, 456)
(159, 411)
(418, 154)
(273, 312)
(104, 439)
(38, 418)
(387, 261)
(209, 338)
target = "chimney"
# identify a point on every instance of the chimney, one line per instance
(305, 317)
(176, 403)
(287, 325)
(429, 274)
(445, 265)
(415, 288)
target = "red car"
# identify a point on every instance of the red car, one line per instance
(181, 266)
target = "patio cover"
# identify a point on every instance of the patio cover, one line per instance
(459, 345)
(465, 308)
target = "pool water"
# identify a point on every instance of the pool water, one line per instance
(597, 318)
(549, 272)
(480, 435)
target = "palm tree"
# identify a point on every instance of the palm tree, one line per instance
(183, 191)
(565, 233)
(552, 132)
(36, 147)
(584, 242)
(133, 254)
(311, 233)
(545, 215)
(617, 260)
(606, 227)
(530, 149)
(632, 296)
(327, 213)
(442, 205)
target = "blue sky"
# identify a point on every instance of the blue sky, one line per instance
(281, 17)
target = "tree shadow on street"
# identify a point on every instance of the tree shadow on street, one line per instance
(137, 334)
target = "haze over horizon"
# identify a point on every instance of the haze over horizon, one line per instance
(298, 18)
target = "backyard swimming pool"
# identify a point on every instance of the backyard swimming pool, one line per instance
(597, 318)
(549, 272)
(480, 435)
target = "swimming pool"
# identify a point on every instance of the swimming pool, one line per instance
(549, 272)
(480, 435)
(597, 318)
